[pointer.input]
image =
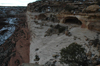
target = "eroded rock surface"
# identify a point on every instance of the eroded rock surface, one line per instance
(15, 50)
(50, 45)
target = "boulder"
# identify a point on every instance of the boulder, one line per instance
(91, 8)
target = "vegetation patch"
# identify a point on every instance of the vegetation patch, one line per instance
(74, 55)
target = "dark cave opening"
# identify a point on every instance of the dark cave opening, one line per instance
(72, 20)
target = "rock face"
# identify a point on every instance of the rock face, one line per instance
(41, 16)
(92, 8)
(22, 40)
(48, 6)
(73, 20)
(94, 26)
(15, 50)
(22, 50)
(48, 47)
(67, 12)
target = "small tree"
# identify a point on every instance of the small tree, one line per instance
(73, 55)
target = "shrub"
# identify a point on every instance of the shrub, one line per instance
(73, 55)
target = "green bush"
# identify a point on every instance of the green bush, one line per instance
(73, 55)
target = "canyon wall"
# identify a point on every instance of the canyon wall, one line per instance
(15, 50)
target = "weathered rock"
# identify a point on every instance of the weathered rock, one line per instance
(57, 29)
(94, 26)
(41, 16)
(15, 50)
(92, 8)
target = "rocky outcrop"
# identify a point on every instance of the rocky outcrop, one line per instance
(22, 40)
(94, 26)
(15, 50)
(67, 12)
(49, 6)
(90, 21)
(73, 20)
(92, 8)
(21, 48)
(41, 16)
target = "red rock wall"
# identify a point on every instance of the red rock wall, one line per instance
(16, 48)
(22, 45)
